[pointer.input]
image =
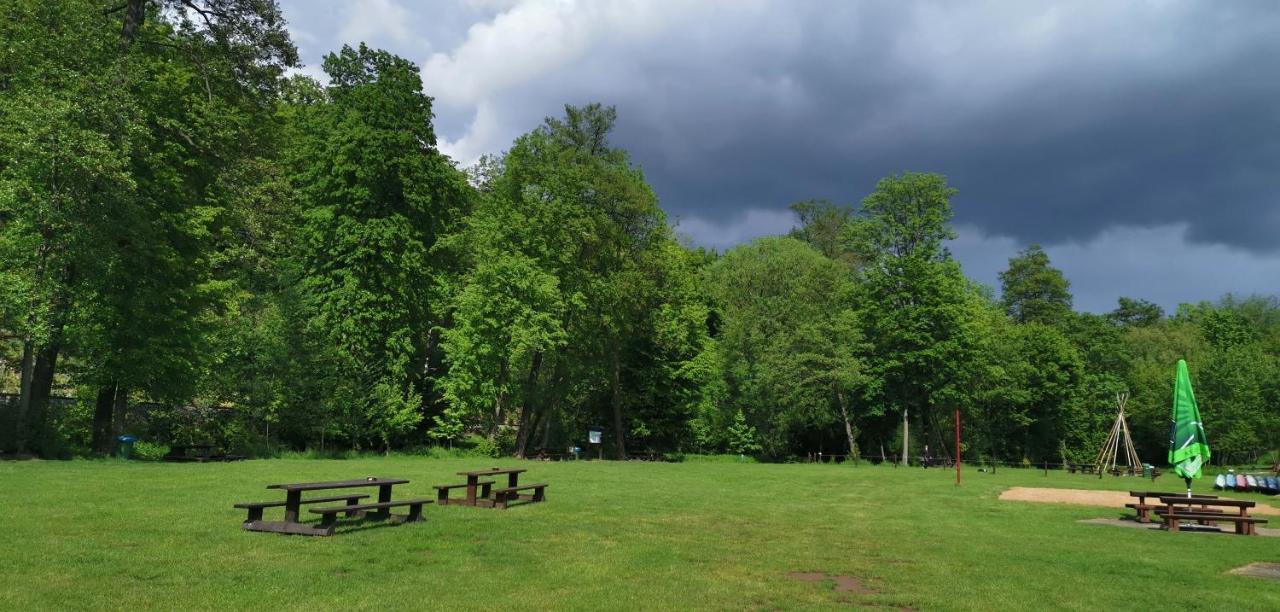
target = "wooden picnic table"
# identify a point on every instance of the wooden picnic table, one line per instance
(1143, 509)
(1178, 508)
(293, 503)
(203, 453)
(473, 481)
(178, 452)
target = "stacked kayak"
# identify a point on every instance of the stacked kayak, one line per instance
(1247, 482)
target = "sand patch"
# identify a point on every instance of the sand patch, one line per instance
(844, 584)
(1087, 497)
(1270, 571)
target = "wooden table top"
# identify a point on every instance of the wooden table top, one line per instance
(493, 471)
(339, 484)
(1206, 501)
(1168, 494)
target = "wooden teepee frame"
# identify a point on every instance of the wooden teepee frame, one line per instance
(1109, 455)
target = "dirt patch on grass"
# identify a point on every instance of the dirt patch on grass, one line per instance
(1086, 497)
(1269, 571)
(843, 584)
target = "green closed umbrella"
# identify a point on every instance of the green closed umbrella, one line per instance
(1188, 446)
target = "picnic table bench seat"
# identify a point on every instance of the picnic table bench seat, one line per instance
(330, 513)
(1244, 524)
(255, 508)
(508, 494)
(442, 491)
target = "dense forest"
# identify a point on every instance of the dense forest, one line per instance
(196, 246)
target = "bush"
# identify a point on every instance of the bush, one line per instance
(506, 441)
(442, 452)
(329, 453)
(719, 459)
(148, 451)
(481, 446)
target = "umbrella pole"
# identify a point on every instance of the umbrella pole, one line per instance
(1188, 486)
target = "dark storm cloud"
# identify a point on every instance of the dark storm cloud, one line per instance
(1188, 133)
(1139, 141)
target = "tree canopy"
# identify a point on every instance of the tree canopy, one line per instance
(199, 248)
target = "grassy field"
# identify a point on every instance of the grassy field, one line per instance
(112, 534)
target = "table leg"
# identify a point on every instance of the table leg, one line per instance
(292, 501)
(512, 479)
(471, 489)
(384, 496)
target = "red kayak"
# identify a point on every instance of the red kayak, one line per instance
(1242, 483)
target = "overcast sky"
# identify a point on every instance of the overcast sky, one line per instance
(1139, 142)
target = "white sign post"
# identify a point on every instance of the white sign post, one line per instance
(595, 435)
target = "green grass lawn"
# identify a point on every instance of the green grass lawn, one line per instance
(112, 534)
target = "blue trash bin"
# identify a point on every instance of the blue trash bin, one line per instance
(125, 450)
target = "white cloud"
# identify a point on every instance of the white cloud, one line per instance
(371, 20)
(530, 40)
(314, 71)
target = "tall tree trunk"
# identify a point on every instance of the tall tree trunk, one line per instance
(546, 426)
(552, 404)
(906, 439)
(848, 427)
(617, 406)
(135, 12)
(500, 404)
(527, 407)
(118, 411)
(103, 409)
(24, 396)
(41, 392)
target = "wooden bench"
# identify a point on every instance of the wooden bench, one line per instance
(204, 454)
(1244, 524)
(442, 491)
(1142, 508)
(330, 513)
(1084, 469)
(1161, 510)
(1176, 510)
(179, 452)
(255, 508)
(509, 494)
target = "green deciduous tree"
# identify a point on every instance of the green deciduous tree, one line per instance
(1131, 312)
(914, 296)
(788, 340)
(582, 241)
(375, 195)
(1032, 290)
(823, 226)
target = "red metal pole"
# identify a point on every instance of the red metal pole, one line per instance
(957, 447)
